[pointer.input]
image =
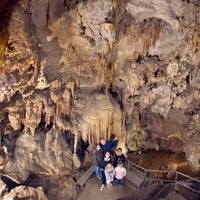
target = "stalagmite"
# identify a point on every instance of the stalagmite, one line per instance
(75, 158)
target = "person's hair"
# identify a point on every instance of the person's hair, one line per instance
(94, 148)
(107, 152)
(120, 163)
(119, 149)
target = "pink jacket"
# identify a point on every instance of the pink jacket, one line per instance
(120, 172)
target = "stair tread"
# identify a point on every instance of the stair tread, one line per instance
(134, 178)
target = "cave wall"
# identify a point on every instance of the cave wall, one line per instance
(90, 69)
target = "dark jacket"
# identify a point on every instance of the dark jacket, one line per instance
(119, 158)
(97, 157)
(109, 146)
(105, 162)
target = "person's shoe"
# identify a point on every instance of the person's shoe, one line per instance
(109, 185)
(101, 187)
(99, 177)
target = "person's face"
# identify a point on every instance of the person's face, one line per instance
(98, 147)
(107, 155)
(109, 165)
(103, 142)
(119, 152)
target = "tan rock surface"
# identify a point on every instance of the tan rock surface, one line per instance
(74, 71)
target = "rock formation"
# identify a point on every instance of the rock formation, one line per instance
(75, 71)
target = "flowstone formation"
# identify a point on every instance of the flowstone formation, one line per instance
(75, 71)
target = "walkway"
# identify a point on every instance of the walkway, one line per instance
(188, 186)
(91, 191)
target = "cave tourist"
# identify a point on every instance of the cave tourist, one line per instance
(108, 145)
(109, 174)
(97, 158)
(120, 173)
(119, 156)
(105, 161)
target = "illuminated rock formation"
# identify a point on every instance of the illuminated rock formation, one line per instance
(72, 72)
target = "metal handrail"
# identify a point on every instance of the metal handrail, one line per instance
(176, 179)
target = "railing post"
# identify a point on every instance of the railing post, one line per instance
(128, 164)
(145, 175)
(176, 178)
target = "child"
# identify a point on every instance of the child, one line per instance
(119, 156)
(106, 160)
(120, 173)
(109, 173)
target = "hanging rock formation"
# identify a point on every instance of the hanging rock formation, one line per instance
(75, 71)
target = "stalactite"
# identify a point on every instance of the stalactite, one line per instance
(71, 86)
(103, 118)
(65, 104)
(150, 34)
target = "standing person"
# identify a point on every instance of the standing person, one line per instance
(119, 156)
(97, 158)
(106, 160)
(109, 173)
(108, 145)
(120, 173)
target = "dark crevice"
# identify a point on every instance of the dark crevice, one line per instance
(139, 59)
(145, 79)
(6, 8)
(187, 79)
(154, 57)
(116, 95)
(49, 126)
(69, 137)
(70, 4)
(48, 20)
(9, 182)
(91, 41)
(81, 149)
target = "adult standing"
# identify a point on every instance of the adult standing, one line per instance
(108, 146)
(97, 158)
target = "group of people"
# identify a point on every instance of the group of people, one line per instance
(108, 163)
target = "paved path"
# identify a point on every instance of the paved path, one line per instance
(91, 191)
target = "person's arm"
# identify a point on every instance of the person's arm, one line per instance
(114, 143)
(123, 158)
(124, 171)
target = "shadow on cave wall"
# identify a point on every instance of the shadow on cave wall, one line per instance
(81, 148)
(6, 8)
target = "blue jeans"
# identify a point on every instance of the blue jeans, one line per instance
(103, 177)
(97, 171)
(119, 181)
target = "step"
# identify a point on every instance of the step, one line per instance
(162, 192)
(83, 179)
(134, 178)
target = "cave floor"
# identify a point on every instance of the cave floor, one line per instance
(149, 160)
(92, 191)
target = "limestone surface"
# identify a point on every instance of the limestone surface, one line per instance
(72, 72)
